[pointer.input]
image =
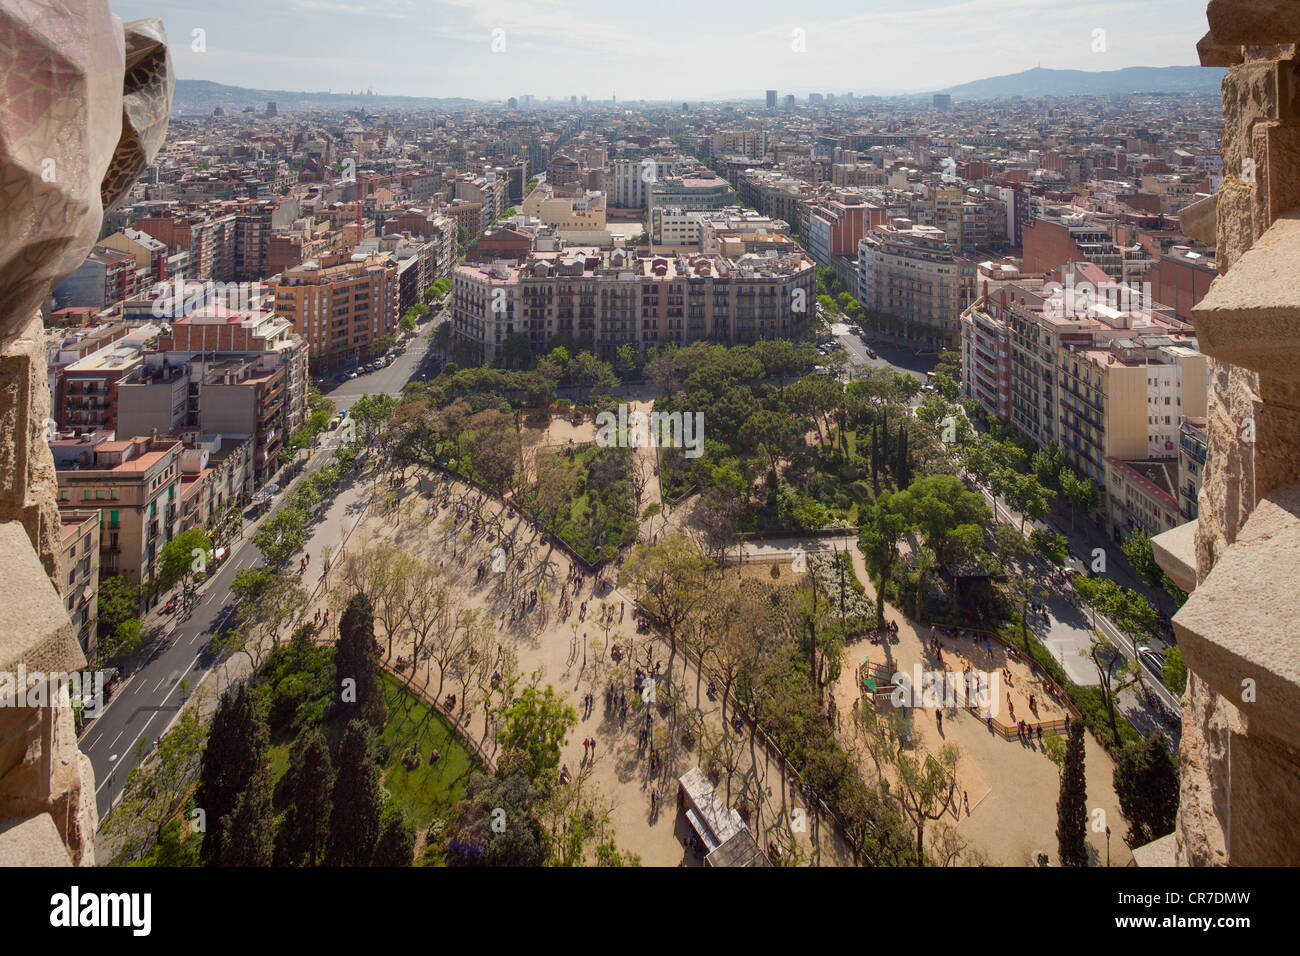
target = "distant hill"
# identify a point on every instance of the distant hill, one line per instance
(1134, 79)
(202, 96)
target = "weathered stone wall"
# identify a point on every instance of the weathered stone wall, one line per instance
(73, 140)
(1240, 776)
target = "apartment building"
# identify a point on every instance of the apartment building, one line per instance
(150, 255)
(86, 394)
(470, 216)
(563, 170)
(1181, 278)
(674, 227)
(775, 194)
(489, 190)
(341, 305)
(911, 272)
(1141, 495)
(217, 472)
(1064, 236)
(77, 573)
(580, 212)
(135, 487)
(237, 396)
(694, 189)
(632, 179)
(208, 237)
(837, 222)
(1193, 449)
(607, 298)
(107, 276)
(857, 175)
(1111, 386)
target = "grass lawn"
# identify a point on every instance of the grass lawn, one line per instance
(433, 787)
(430, 789)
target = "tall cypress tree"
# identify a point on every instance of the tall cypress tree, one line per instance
(236, 751)
(1146, 782)
(310, 785)
(902, 456)
(357, 661)
(354, 822)
(884, 434)
(1072, 806)
(396, 845)
(248, 831)
(875, 459)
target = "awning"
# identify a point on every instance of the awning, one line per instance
(702, 831)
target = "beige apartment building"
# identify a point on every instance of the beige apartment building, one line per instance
(135, 487)
(574, 213)
(77, 575)
(605, 299)
(910, 272)
(1109, 385)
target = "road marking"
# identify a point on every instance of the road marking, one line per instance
(157, 710)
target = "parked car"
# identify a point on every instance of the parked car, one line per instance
(1155, 662)
(352, 375)
(341, 377)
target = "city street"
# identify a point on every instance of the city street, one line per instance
(147, 701)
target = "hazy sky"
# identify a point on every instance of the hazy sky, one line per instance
(659, 49)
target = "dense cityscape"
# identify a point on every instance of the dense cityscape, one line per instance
(797, 479)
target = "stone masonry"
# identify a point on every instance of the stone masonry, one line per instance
(1240, 630)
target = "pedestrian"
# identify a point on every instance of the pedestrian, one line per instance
(593, 746)
(938, 716)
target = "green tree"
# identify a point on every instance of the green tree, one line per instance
(356, 667)
(158, 787)
(1072, 806)
(536, 726)
(178, 557)
(881, 527)
(372, 414)
(510, 802)
(396, 843)
(119, 600)
(1146, 782)
(1137, 548)
(944, 511)
(668, 579)
(1174, 672)
(310, 785)
(237, 749)
(1024, 493)
(926, 784)
(357, 799)
(249, 829)
(124, 641)
(268, 603)
(281, 535)
(1081, 494)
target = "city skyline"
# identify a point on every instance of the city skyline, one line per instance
(916, 48)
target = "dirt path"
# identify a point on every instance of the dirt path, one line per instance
(571, 654)
(1011, 786)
